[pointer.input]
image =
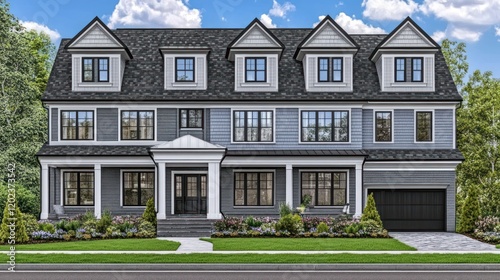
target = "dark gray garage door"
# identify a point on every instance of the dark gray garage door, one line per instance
(411, 210)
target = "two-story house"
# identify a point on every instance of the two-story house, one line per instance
(233, 122)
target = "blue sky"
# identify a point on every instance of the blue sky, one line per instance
(476, 22)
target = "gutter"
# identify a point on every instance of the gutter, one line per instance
(220, 193)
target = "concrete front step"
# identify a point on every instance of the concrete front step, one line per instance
(184, 227)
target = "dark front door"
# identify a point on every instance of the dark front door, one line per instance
(190, 194)
(411, 210)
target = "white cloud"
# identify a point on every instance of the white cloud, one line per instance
(279, 10)
(388, 9)
(356, 26)
(320, 18)
(438, 36)
(467, 19)
(154, 13)
(31, 25)
(267, 21)
(497, 31)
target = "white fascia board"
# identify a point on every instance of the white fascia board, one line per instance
(89, 161)
(188, 156)
(411, 165)
(323, 161)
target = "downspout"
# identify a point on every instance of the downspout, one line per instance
(220, 192)
(362, 182)
(157, 179)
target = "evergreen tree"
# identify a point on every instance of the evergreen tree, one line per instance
(470, 212)
(370, 212)
(13, 218)
(150, 213)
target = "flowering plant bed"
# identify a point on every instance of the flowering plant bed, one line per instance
(296, 226)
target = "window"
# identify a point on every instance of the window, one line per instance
(78, 188)
(325, 188)
(95, 69)
(184, 69)
(383, 126)
(191, 118)
(253, 188)
(255, 69)
(416, 70)
(330, 69)
(400, 67)
(138, 188)
(325, 126)
(253, 126)
(423, 127)
(77, 125)
(137, 125)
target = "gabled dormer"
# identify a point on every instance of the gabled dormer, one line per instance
(405, 59)
(98, 58)
(186, 68)
(327, 54)
(255, 52)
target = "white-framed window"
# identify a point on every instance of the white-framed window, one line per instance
(383, 126)
(253, 126)
(424, 126)
(327, 188)
(137, 187)
(254, 188)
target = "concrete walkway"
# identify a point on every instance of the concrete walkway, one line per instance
(497, 252)
(441, 241)
(190, 244)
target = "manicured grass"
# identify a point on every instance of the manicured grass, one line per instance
(258, 258)
(308, 244)
(101, 245)
(498, 246)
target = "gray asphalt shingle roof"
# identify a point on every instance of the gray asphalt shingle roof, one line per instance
(371, 155)
(143, 79)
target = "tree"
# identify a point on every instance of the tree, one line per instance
(28, 202)
(470, 212)
(456, 58)
(149, 213)
(16, 230)
(478, 138)
(25, 62)
(370, 212)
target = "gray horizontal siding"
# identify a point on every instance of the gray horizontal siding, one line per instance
(227, 195)
(404, 130)
(286, 131)
(324, 211)
(196, 133)
(167, 124)
(54, 126)
(397, 179)
(107, 124)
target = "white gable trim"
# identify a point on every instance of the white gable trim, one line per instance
(262, 30)
(424, 38)
(187, 142)
(84, 34)
(321, 28)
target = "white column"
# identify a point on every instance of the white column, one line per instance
(289, 185)
(97, 191)
(44, 215)
(359, 190)
(162, 192)
(213, 191)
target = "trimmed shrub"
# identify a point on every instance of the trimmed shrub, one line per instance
(322, 228)
(31, 223)
(27, 201)
(252, 222)
(20, 229)
(370, 212)
(104, 222)
(149, 213)
(285, 209)
(146, 229)
(46, 226)
(470, 212)
(290, 223)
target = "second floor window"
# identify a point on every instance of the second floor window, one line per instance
(253, 126)
(325, 126)
(423, 127)
(416, 70)
(400, 69)
(95, 69)
(330, 69)
(184, 69)
(255, 69)
(383, 126)
(137, 125)
(77, 125)
(191, 118)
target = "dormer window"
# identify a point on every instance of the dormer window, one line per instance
(184, 69)
(330, 69)
(95, 69)
(417, 66)
(255, 69)
(400, 69)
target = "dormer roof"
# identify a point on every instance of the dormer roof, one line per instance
(407, 35)
(326, 36)
(96, 36)
(256, 36)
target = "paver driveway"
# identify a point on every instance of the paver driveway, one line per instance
(441, 241)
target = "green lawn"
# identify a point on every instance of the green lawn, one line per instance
(308, 244)
(498, 246)
(101, 245)
(258, 258)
